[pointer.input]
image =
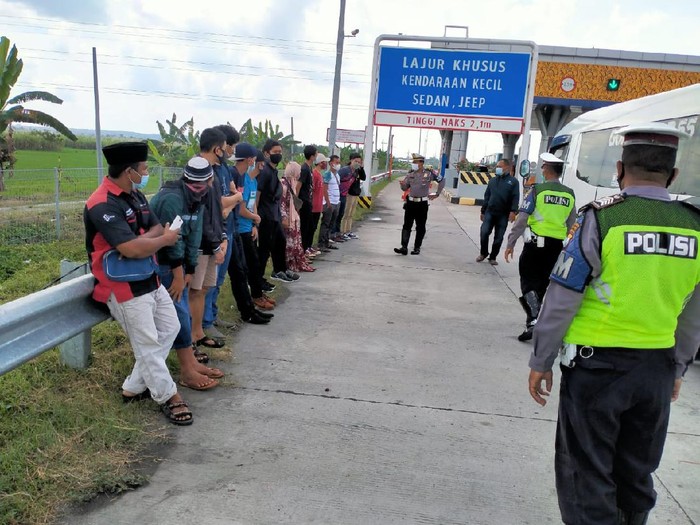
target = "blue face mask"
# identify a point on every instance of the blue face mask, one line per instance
(141, 185)
(499, 171)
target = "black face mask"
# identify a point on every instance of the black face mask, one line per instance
(275, 158)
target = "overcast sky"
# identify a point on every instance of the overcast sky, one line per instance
(275, 59)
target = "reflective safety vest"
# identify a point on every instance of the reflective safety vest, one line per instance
(553, 205)
(650, 267)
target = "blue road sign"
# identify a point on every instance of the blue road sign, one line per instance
(448, 89)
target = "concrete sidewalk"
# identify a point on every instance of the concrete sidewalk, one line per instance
(387, 389)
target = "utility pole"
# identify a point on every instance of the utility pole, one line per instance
(293, 139)
(98, 133)
(336, 79)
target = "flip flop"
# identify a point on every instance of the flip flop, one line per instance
(174, 417)
(214, 373)
(200, 356)
(201, 386)
(209, 342)
(146, 394)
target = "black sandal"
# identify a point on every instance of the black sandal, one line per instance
(200, 356)
(146, 394)
(210, 342)
(173, 417)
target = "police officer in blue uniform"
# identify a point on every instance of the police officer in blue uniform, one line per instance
(624, 307)
(417, 182)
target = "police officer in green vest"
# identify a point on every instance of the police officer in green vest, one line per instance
(543, 220)
(624, 307)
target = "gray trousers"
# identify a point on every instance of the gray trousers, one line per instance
(150, 321)
(329, 217)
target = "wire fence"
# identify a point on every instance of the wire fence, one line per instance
(47, 205)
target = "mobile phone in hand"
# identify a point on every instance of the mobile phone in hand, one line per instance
(177, 222)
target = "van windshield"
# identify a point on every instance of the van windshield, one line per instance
(600, 151)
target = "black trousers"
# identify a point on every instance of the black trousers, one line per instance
(414, 212)
(536, 265)
(238, 275)
(271, 241)
(279, 250)
(306, 226)
(613, 415)
(250, 251)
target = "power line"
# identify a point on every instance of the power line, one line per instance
(195, 34)
(209, 71)
(195, 96)
(194, 62)
(196, 42)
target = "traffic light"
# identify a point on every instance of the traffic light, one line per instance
(613, 84)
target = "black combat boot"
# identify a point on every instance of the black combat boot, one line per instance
(527, 334)
(531, 304)
(405, 237)
(418, 243)
(631, 518)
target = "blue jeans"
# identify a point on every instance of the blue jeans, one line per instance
(499, 222)
(182, 308)
(211, 310)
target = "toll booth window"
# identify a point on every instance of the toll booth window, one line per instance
(597, 159)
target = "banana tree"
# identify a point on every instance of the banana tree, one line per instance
(258, 134)
(177, 143)
(12, 110)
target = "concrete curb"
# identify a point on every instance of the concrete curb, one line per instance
(465, 201)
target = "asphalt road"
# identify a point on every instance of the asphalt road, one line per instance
(387, 389)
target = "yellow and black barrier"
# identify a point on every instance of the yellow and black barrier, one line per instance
(475, 177)
(364, 202)
(465, 201)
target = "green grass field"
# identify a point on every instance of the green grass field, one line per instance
(66, 158)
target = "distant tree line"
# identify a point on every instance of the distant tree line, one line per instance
(42, 140)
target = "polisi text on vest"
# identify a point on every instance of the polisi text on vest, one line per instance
(661, 243)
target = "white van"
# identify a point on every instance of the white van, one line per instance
(591, 149)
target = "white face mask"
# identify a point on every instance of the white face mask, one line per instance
(414, 166)
(335, 167)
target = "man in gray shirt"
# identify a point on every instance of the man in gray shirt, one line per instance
(417, 182)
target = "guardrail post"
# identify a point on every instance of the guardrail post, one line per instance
(76, 351)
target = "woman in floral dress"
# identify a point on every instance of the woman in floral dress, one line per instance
(296, 259)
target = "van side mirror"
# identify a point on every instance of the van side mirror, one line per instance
(525, 169)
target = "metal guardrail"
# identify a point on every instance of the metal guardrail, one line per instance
(385, 175)
(33, 324)
(61, 315)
